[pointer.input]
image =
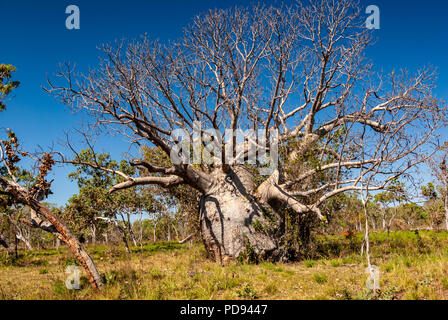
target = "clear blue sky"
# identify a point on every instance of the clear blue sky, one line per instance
(33, 37)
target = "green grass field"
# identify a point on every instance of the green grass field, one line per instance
(412, 266)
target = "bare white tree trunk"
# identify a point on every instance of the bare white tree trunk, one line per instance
(93, 232)
(168, 231)
(131, 231)
(24, 240)
(154, 231)
(141, 230)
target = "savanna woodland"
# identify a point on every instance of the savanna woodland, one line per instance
(335, 186)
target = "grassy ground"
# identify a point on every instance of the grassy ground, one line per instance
(413, 266)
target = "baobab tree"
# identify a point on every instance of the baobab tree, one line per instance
(297, 73)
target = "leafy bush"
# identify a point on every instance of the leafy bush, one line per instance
(320, 278)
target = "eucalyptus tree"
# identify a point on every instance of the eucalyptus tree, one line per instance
(389, 201)
(299, 75)
(6, 84)
(181, 202)
(433, 204)
(93, 205)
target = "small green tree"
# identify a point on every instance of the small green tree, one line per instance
(434, 204)
(429, 191)
(6, 85)
(94, 205)
(179, 204)
(389, 201)
(412, 214)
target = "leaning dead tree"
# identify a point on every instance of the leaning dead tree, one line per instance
(296, 74)
(15, 191)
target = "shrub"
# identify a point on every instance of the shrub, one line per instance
(271, 289)
(309, 263)
(320, 278)
(247, 292)
(43, 271)
(335, 263)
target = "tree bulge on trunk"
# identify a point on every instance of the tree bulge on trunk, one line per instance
(233, 219)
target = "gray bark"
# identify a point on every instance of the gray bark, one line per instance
(232, 218)
(22, 238)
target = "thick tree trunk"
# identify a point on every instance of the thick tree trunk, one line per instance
(233, 219)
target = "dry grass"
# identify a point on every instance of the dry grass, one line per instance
(412, 267)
